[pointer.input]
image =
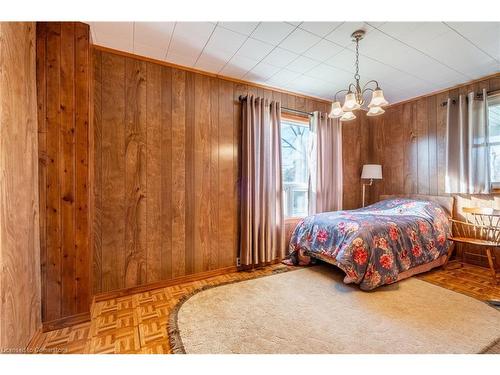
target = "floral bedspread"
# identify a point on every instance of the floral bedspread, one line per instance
(372, 245)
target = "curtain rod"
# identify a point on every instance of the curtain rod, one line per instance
(478, 96)
(244, 97)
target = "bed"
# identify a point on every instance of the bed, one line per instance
(380, 244)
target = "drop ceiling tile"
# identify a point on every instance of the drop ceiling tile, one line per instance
(305, 84)
(459, 54)
(323, 50)
(224, 43)
(414, 33)
(280, 57)
(245, 28)
(282, 77)
(238, 67)
(189, 38)
(321, 29)
(181, 59)
(242, 62)
(262, 72)
(302, 64)
(158, 53)
(329, 74)
(117, 35)
(123, 30)
(272, 32)
(210, 63)
(485, 35)
(299, 41)
(255, 49)
(396, 54)
(342, 34)
(153, 34)
(345, 60)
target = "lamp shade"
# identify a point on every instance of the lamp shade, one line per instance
(378, 99)
(348, 116)
(372, 171)
(350, 103)
(375, 111)
(336, 110)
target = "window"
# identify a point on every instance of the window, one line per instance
(295, 170)
(494, 138)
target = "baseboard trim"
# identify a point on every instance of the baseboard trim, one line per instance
(67, 321)
(162, 284)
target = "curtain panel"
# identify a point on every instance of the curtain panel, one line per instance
(262, 223)
(467, 152)
(325, 171)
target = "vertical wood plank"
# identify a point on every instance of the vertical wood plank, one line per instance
(113, 171)
(178, 171)
(201, 175)
(67, 168)
(410, 150)
(189, 249)
(433, 145)
(97, 174)
(226, 175)
(153, 166)
(43, 159)
(423, 146)
(54, 277)
(166, 173)
(214, 175)
(135, 172)
(82, 234)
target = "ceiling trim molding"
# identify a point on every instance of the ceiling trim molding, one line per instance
(215, 75)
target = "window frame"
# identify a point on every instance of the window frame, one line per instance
(298, 120)
(495, 185)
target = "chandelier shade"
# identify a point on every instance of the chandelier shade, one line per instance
(375, 111)
(378, 99)
(350, 103)
(348, 116)
(336, 110)
(354, 97)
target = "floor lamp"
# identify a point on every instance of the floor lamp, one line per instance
(370, 172)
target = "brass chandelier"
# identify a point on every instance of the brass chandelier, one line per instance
(354, 98)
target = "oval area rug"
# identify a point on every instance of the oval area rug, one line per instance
(312, 311)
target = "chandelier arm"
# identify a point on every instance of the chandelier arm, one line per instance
(371, 81)
(338, 92)
(353, 85)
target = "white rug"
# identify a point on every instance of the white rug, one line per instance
(312, 311)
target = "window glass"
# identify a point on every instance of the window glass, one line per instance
(494, 137)
(294, 146)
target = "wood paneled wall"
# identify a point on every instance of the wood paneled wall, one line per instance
(63, 82)
(409, 142)
(19, 231)
(166, 170)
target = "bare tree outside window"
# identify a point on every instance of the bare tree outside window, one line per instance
(294, 146)
(494, 139)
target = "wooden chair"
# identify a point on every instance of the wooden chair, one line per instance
(481, 228)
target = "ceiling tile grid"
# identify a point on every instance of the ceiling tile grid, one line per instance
(317, 58)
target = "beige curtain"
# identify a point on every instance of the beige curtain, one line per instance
(467, 152)
(325, 182)
(262, 228)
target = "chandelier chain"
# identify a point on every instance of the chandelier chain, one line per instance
(357, 76)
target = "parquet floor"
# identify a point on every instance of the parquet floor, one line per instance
(137, 323)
